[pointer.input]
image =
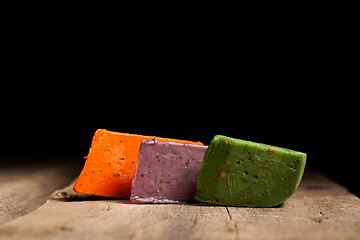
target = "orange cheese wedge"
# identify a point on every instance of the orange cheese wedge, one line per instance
(111, 163)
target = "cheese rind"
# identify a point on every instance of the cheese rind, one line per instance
(167, 172)
(241, 173)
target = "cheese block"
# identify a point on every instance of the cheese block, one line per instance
(242, 173)
(167, 172)
(111, 163)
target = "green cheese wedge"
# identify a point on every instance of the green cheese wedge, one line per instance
(235, 172)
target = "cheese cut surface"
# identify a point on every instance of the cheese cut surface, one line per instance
(111, 163)
(167, 172)
(242, 173)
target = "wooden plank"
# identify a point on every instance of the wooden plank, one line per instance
(320, 209)
(25, 187)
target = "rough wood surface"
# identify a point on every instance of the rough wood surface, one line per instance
(24, 188)
(320, 209)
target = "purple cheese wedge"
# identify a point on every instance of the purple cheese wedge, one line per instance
(167, 172)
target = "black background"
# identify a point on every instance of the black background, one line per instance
(288, 87)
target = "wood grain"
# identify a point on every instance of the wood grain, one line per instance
(320, 209)
(25, 187)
